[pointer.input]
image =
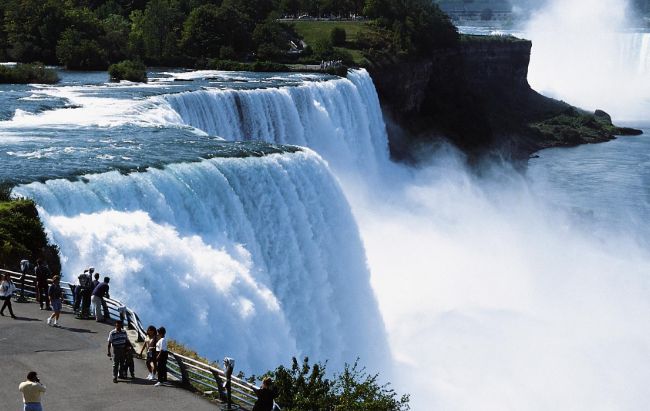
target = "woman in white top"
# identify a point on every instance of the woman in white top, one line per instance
(7, 289)
(161, 356)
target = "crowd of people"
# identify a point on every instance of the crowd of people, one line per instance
(88, 302)
(324, 65)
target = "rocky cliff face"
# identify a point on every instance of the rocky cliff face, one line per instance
(477, 96)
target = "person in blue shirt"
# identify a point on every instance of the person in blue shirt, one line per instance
(97, 299)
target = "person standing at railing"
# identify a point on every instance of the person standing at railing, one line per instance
(118, 339)
(7, 289)
(76, 293)
(150, 345)
(55, 294)
(85, 291)
(161, 357)
(43, 273)
(98, 295)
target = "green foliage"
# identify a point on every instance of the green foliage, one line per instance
(209, 28)
(338, 36)
(22, 235)
(259, 66)
(27, 73)
(306, 387)
(155, 32)
(128, 70)
(78, 53)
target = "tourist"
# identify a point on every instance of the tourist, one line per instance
(161, 357)
(85, 291)
(118, 339)
(99, 293)
(7, 289)
(265, 395)
(43, 273)
(128, 364)
(76, 292)
(150, 345)
(32, 390)
(95, 281)
(55, 295)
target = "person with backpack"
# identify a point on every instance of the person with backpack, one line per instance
(43, 274)
(7, 289)
(85, 291)
(56, 298)
(265, 396)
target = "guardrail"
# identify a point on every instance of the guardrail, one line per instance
(188, 371)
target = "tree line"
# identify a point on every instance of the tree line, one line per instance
(91, 34)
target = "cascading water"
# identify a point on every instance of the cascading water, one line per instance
(258, 258)
(340, 119)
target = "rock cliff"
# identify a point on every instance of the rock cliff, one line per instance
(477, 96)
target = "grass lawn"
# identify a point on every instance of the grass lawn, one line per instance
(311, 31)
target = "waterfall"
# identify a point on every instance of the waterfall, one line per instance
(340, 119)
(258, 257)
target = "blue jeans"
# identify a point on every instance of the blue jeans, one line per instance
(33, 406)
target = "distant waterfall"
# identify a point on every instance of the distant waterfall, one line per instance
(257, 258)
(340, 119)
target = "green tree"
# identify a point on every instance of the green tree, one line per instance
(307, 387)
(338, 36)
(156, 31)
(271, 39)
(115, 38)
(33, 28)
(208, 29)
(78, 53)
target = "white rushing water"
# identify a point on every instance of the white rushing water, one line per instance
(258, 258)
(494, 294)
(584, 53)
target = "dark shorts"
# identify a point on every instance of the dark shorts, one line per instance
(56, 305)
(151, 356)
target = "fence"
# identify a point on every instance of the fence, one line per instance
(190, 372)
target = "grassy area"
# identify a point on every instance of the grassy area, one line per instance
(314, 31)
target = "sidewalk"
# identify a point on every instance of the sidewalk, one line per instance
(72, 362)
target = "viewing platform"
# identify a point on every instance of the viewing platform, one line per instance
(71, 362)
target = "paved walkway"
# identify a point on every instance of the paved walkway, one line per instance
(72, 362)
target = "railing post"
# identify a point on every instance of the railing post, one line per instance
(181, 366)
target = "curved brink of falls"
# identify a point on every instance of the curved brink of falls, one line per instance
(258, 258)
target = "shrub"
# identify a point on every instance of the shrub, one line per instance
(28, 73)
(338, 36)
(128, 70)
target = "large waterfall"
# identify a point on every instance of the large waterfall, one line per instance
(256, 257)
(340, 119)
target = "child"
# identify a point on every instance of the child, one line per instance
(128, 361)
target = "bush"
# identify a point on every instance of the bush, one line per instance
(338, 36)
(128, 70)
(78, 53)
(22, 235)
(27, 73)
(306, 387)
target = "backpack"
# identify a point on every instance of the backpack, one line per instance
(85, 281)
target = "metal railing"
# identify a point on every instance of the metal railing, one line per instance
(188, 371)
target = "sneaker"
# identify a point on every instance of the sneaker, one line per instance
(49, 321)
(158, 384)
(115, 380)
(150, 376)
